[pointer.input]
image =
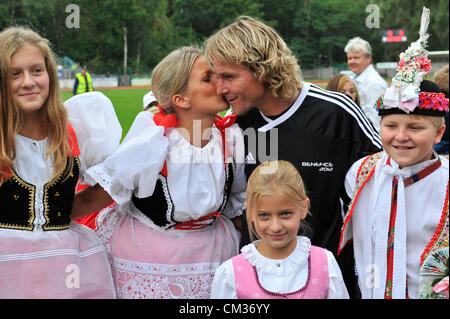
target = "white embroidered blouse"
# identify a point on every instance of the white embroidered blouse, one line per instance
(195, 175)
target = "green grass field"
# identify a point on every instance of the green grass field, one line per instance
(127, 104)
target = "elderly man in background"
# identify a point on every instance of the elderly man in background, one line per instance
(369, 83)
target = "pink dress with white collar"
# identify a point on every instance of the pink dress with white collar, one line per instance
(249, 287)
(309, 272)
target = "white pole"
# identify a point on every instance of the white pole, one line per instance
(125, 51)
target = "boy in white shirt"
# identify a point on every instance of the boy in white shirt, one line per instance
(398, 217)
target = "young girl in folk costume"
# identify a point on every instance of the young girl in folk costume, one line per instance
(280, 264)
(398, 217)
(43, 152)
(177, 180)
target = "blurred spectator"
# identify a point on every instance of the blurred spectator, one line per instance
(342, 83)
(441, 79)
(370, 84)
(83, 82)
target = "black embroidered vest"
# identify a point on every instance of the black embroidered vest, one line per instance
(17, 198)
(159, 207)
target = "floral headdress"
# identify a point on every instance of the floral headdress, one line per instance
(405, 94)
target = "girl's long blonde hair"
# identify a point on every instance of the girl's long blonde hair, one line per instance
(12, 40)
(270, 178)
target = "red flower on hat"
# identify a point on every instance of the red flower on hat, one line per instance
(425, 64)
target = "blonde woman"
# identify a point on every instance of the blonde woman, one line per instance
(280, 264)
(177, 179)
(320, 132)
(342, 83)
(44, 150)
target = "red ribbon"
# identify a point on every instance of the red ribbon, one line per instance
(195, 224)
(168, 121)
(222, 124)
(162, 119)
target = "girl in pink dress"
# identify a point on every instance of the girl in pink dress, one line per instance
(177, 180)
(45, 148)
(280, 264)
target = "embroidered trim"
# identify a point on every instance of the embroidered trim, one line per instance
(32, 192)
(391, 240)
(45, 199)
(427, 101)
(52, 253)
(365, 172)
(247, 251)
(393, 214)
(165, 269)
(440, 237)
(199, 223)
(422, 174)
(227, 187)
(38, 196)
(105, 225)
(170, 206)
(159, 281)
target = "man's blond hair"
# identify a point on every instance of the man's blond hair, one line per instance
(251, 43)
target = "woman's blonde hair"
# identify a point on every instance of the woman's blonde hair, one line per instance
(171, 76)
(12, 40)
(274, 178)
(337, 82)
(251, 43)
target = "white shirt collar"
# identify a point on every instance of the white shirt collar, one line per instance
(407, 171)
(294, 107)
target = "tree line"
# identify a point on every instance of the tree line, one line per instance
(315, 30)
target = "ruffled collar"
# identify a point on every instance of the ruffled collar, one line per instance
(175, 136)
(287, 266)
(181, 151)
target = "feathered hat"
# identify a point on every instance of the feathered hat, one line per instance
(409, 93)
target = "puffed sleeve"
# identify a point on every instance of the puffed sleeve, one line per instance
(96, 126)
(134, 167)
(336, 287)
(223, 286)
(235, 143)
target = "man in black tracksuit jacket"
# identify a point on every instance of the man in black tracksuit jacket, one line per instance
(322, 133)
